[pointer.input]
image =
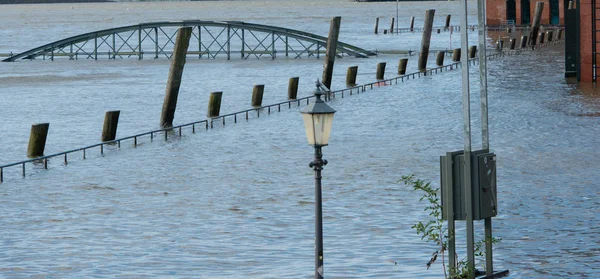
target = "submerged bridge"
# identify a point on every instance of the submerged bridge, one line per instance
(210, 39)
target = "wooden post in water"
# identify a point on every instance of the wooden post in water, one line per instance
(351, 76)
(501, 44)
(412, 24)
(214, 103)
(427, 27)
(109, 129)
(513, 43)
(571, 4)
(523, 41)
(177, 62)
(392, 25)
(293, 88)
(384, 31)
(559, 36)
(439, 60)
(402, 66)
(472, 52)
(542, 36)
(376, 25)
(37, 140)
(447, 25)
(380, 70)
(549, 35)
(535, 25)
(257, 95)
(456, 55)
(332, 40)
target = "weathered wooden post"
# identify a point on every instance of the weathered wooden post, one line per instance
(427, 27)
(439, 60)
(549, 35)
(392, 25)
(257, 95)
(456, 55)
(559, 36)
(447, 25)
(109, 129)
(293, 88)
(334, 31)
(535, 25)
(351, 76)
(177, 62)
(376, 25)
(542, 36)
(571, 4)
(472, 52)
(402, 66)
(501, 44)
(214, 103)
(412, 24)
(384, 31)
(513, 43)
(380, 70)
(37, 140)
(523, 41)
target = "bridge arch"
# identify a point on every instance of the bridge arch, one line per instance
(210, 39)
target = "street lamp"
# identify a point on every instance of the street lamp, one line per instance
(318, 118)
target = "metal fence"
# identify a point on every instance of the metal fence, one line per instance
(240, 115)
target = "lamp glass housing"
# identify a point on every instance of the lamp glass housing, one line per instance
(318, 127)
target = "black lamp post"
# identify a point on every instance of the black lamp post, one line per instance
(318, 118)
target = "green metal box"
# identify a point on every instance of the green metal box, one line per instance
(483, 179)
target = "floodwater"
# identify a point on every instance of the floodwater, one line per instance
(237, 201)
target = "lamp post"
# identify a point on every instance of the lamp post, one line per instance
(318, 118)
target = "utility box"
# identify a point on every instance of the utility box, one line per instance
(483, 179)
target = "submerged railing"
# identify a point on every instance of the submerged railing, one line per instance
(244, 115)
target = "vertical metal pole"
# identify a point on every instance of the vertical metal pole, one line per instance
(155, 42)
(273, 44)
(286, 46)
(140, 42)
(485, 140)
(243, 42)
(96, 47)
(317, 165)
(397, 18)
(228, 42)
(467, 139)
(114, 48)
(199, 44)
(450, 214)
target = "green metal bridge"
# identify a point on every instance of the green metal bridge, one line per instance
(210, 40)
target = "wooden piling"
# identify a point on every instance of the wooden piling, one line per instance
(513, 43)
(351, 76)
(559, 36)
(542, 37)
(174, 81)
(376, 25)
(332, 40)
(456, 55)
(447, 25)
(412, 24)
(380, 70)
(402, 66)
(293, 88)
(37, 140)
(214, 103)
(392, 25)
(523, 41)
(501, 43)
(384, 31)
(571, 4)
(439, 60)
(535, 25)
(257, 95)
(472, 52)
(425, 40)
(109, 129)
(549, 35)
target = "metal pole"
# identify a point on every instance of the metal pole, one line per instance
(397, 18)
(317, 166)
(467, 139)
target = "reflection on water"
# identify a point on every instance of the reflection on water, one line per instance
(237, 201)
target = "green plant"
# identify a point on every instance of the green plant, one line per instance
(434, 230)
